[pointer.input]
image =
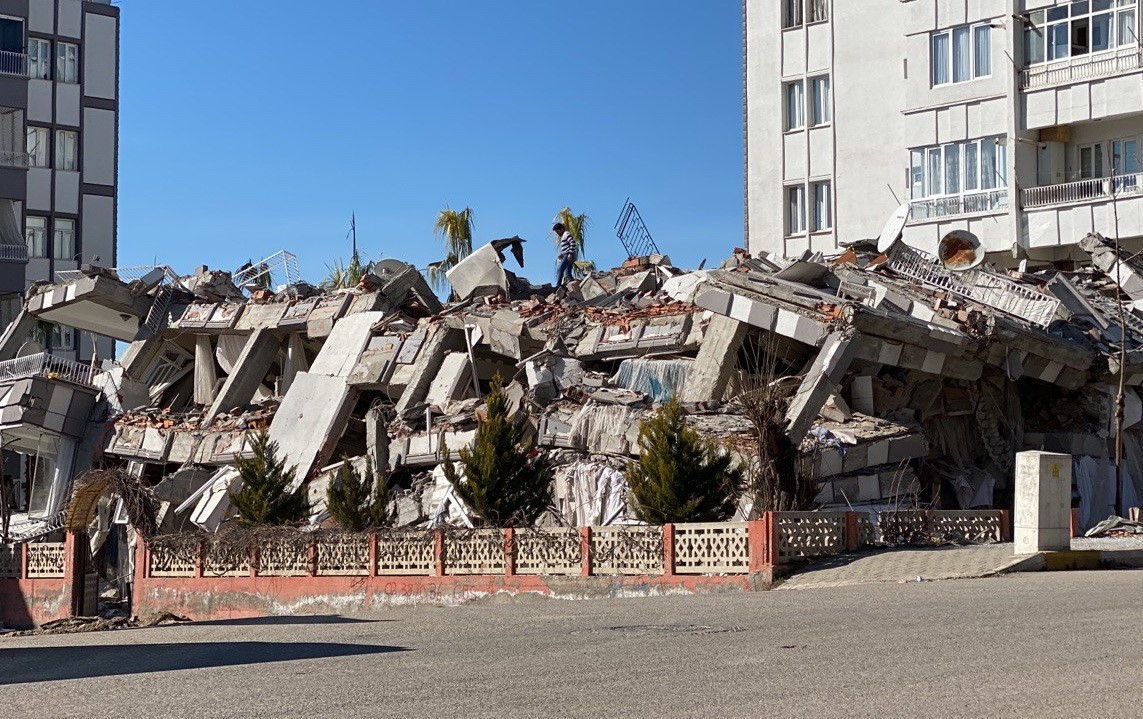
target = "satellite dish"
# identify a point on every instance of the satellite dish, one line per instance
(959, 250)
(389, 266)
(29, 348)
(894, 226)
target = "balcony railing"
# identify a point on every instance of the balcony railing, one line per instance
(1092, 190)
(13, 63)
(13, 253)
(937, 207)
(46, 365)
(13, 158)
(1085, 67)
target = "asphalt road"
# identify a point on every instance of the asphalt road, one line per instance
(1033, 645)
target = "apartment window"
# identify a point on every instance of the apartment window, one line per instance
(1074, 29)
(819, 101)
(67, 62)
(56, 336)
(795, 209)
(961, 54)
(958, 168)
(795, 105)
(67, 150)
(795, 11)
(39, 59)
(822, 216)
(38, 145)
(36, 235)
(63, 239)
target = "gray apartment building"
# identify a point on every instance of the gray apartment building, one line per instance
(1019, 121)
(59, 110)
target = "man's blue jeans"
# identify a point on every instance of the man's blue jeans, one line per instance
(565, 268)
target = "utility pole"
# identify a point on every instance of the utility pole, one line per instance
(1120, 395)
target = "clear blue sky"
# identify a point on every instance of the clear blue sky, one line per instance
(250, 126)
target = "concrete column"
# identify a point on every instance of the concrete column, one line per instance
(820, 382)
(377, 438)
(205, 373)
(429, 361)
(295, 361)
(249, 370)
(1043, 502)
(16, 334)
(716, 360)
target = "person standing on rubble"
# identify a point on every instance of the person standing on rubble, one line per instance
(567, 253)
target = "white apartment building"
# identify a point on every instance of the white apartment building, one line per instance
(1019, 121)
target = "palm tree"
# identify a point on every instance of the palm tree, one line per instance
(455, 228)
(575, 224)
(344, 276)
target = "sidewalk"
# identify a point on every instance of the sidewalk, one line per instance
(906, 565)
(959, 562)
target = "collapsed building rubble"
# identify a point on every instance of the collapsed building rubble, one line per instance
(904, 382)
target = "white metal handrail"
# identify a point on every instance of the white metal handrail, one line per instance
(13, 63)
(1090, 190)
(981, 286)
(1085, 67)
(46, 365)
(281, 261)
(125, 274)
(933, 207)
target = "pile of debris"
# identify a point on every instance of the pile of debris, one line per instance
(900, 382)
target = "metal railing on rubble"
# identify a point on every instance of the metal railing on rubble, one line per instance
(125, 274)
(981, 286)
(46, 365)
(1089, 190)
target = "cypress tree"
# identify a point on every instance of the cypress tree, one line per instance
(360, 502)
(265, 497)
(680, 476)
(507, 482)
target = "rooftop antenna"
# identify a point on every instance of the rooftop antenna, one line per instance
(353, 230)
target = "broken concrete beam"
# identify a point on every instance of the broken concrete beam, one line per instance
(16, 334)
(716, 360)
(429, 359)
(99, 305)
(249, 372)
(205, 374)
(310, 420)
(820, 382)
(479, 274)
(342, 349)
(881, 351)
(761, 314)
(1125, 273)
(452, 381)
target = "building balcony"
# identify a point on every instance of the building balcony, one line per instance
(14, 158)
(49, 367)
(1098, 189)
(1082, 68)
(13, 63)
(936, 208)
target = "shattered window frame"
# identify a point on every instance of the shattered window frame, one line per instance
(38, 146)
(36, 235)
(63, 238)
(67, 62)
(67, 150)
(39, 58)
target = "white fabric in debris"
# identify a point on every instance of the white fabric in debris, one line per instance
(229, 348)
(445, 507)
(599, 426)
(591, 494)
(660, 379)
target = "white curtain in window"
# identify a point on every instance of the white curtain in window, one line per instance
(917, 173)
(971, 167)
(1126, 29)
(794, 105)
(935, 174)
(792, 13)
(962, 54)
(795, 210)
(952, 169)
(823, 218)
(818, 10)
(819, 100)
(988, 164)
(982, 44)
(940, 58)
